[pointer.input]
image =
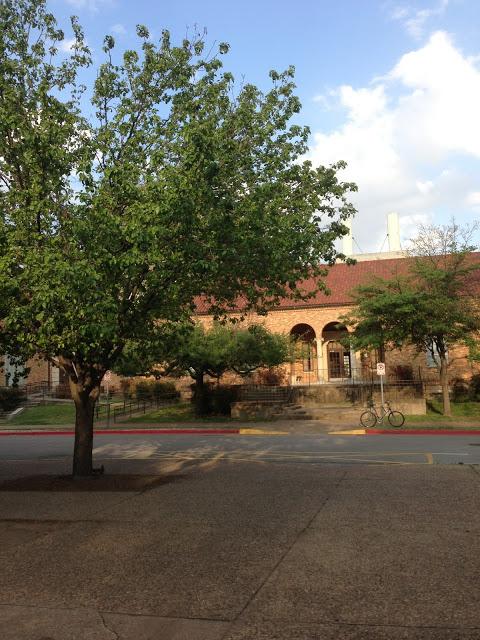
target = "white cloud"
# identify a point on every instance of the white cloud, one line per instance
(425, 187)
(91, 5)
(364, 105)
(118, 29)
(414, 19)
(473, 200)
(400, 13)
(412, 141)
(66, 45)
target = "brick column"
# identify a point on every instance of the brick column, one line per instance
(353, 364)
(320, 361)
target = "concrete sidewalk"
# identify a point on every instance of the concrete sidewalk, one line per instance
(243, 551)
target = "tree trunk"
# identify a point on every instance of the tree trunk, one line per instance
(201, 397)
(447, 411)
(84, 412)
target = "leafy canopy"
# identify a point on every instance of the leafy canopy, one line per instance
(197, 351)
(431, 303)
(123, 201)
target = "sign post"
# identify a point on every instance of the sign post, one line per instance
(381, 373)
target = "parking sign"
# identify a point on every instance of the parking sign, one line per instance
(380, 368)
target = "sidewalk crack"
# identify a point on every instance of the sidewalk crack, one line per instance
(109, 629)
(286, 552)
(475, 468)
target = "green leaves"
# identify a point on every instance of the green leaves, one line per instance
(196, 351)
(108, 43)
(433, 306)
(177, 186)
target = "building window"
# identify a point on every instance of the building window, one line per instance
(307, 358)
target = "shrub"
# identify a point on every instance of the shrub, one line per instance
(126, 388)
(216, 399)
(164, 390)
(143, 390)
(474, 387)
(461, 390)
(155, 390)
(403, 372)
(271, 376)
(221, 399)
(11, 398)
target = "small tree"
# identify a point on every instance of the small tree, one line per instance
(432, 304)
(200, 352)
(121, 203)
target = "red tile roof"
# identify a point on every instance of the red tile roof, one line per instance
(343, 278)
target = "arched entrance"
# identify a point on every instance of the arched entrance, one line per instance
(339, 362)
(304, 369)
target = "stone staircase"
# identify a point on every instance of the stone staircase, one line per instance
(291, 411)
(323, 403)
(285, 403)
(275, 395)
(342, 413)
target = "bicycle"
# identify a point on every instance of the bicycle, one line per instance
(370, 417)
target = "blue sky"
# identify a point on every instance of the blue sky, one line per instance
(391, 87)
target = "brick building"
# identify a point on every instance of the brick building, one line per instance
(317, 324)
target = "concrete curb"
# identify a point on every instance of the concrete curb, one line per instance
(103, 432)
(423, 432)
(242, 431)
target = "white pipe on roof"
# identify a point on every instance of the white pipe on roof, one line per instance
(393, 231)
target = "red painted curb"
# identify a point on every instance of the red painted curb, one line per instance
(103, 432)
(424, 432)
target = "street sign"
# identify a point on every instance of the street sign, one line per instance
(381, 373)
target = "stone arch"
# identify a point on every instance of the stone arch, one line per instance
(304, 368)
(304, 332)
(338, 356)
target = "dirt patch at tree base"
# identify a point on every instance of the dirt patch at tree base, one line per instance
(107, 482)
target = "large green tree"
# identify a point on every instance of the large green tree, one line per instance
(198, 352)
(431, 303)
(123, 201)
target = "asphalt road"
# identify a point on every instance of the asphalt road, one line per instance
(378, 449)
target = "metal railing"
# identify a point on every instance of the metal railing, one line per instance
(349, 390)
(353, 376)
(265, 393)
(135, 407)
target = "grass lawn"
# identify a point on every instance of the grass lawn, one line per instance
(64, 414)
(174, 413)
(465, 415)
(54, 414)
(57, 413)
(460, 410)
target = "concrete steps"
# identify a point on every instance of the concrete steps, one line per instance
(339, 416)
(325, 413)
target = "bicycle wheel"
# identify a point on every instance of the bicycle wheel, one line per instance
(368, 419)
(396, 419)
